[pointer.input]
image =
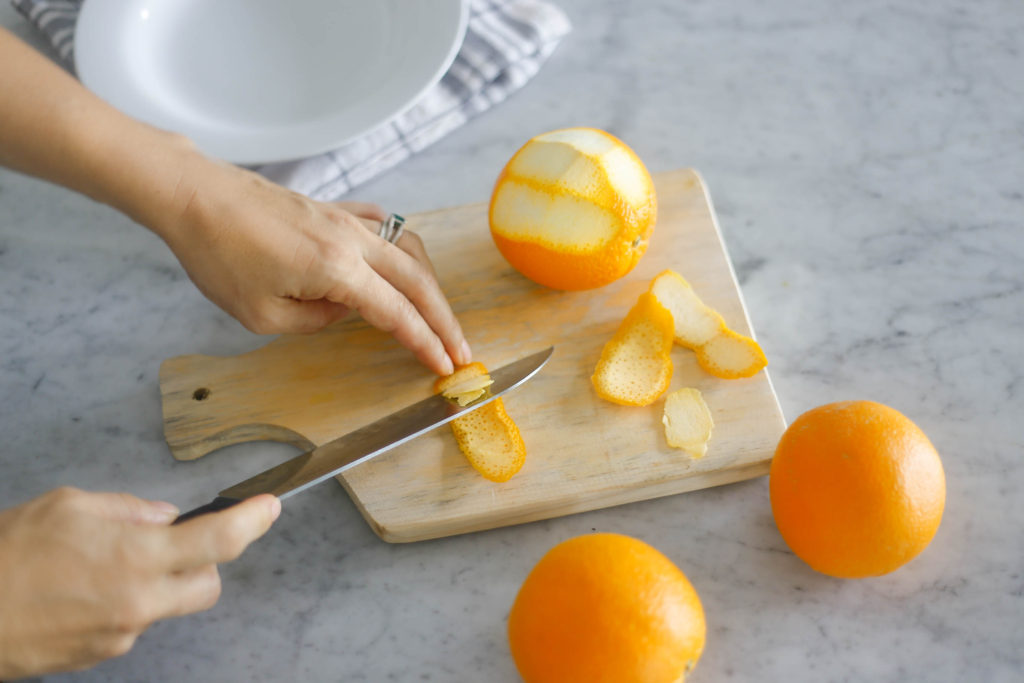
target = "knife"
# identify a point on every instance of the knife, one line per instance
(334, 457)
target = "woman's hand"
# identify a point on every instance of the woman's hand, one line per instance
(277, 261)
(280, 262)
(82, 575)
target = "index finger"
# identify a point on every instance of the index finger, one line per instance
(222, 536)
(415, 279)
(387, 309)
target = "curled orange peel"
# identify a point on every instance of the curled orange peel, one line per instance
(487, 436)
(635, 367)
(721, 351)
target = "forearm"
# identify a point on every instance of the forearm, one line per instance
(53, 128)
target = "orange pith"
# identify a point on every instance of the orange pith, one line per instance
(857, 489)
(577, 217)
(606, 607)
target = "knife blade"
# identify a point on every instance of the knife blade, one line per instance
(334, 457)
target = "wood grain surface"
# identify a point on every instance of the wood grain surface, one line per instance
(583, 453)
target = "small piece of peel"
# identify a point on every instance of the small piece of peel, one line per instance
(688, 422)
(487, 436)
(731, 355)
(468, 390)
(720, 351)
(636, 364)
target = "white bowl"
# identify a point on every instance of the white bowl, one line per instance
(254, 81)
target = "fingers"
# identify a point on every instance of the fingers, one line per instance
(387, 309)
(412, 245)
(417, 283)
(366, 210)
(222, 536)
(193, 590)
(124, 507)
(305, 317)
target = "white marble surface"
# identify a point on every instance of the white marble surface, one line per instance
(867, 162)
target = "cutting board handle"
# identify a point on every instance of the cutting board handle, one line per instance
(210, 402)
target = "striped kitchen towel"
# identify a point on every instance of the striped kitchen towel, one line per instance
(506, 43)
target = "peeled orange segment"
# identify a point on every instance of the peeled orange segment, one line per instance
(636, 364)
(688, 422)
(488, 437)
(731, 355)
(695, 323)
(573, 209)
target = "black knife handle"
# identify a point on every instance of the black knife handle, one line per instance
(216, 505)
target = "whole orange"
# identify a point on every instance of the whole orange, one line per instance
(573, 209)
(857, 489)
(606, 607)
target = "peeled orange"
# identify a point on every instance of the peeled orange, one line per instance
(573, 209)
(857, 489)
(606, 608)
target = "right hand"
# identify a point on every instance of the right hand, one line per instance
(82, 575)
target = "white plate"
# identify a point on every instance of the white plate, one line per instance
(254, 81)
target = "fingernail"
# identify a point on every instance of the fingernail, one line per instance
(165, 511)
(466, 352)
(275, 509)
(169, 508)
(447, 367)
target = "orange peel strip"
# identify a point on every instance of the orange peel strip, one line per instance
(636, 364)
(688, 422)
(487, 436)
(731, 355)
(694, 322)
(721, 351)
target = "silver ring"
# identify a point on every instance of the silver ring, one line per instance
(392, 228)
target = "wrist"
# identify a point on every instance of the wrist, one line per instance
(145, 173)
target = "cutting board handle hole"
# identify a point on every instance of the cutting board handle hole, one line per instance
(201, 394)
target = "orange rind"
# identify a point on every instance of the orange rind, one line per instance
(635, 367)
(721, 351)
(606, 608)
(687, 421)
(487, 436)
(731, 355)
(573, 209)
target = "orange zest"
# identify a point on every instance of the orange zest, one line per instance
(721, 351)
(487, 436)
(857, 489)
(573, 209)
(635, 367)
(606, 607)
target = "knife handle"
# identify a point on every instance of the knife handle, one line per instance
(216, 505)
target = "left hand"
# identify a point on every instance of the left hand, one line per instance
(281, 262)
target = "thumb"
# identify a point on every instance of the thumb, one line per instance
(223, 536)
(124, 507)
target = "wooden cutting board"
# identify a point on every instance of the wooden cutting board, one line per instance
(583, 453)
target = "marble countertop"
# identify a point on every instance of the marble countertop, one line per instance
(867, 164)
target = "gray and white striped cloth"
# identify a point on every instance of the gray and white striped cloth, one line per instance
(506, 43)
